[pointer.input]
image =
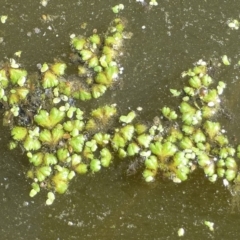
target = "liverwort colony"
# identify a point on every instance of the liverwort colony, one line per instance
(61, 141)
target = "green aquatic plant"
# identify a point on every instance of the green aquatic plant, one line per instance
(62, 140)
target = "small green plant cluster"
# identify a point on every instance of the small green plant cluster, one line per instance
(61, 140)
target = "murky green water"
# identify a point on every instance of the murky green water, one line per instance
(110, 205)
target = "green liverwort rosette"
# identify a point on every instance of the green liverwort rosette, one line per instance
(17, 74)
(49, 120)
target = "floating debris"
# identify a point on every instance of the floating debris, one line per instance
(4, 18)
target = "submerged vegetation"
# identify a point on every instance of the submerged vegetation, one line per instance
(61, 140)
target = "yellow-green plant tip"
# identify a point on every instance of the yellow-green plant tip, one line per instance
(49, 80)
(91, 125)
(187, 108)
(2, 93)
(231, 151)
(79, 114)
(50, 159)
(103, 61)
(211, 97)
(163, 151)
(111, 72)
(58, 68)
(151, 163)
(82, 71)
(127, 132)
(33, 193)
(71, 175)
(208, 112)
(98, 69)
(22, 93)
(209, 169)
(181, 175)
(3, 78)
(31, 144)
(221, 140)
(149, 175)
(108, 51)
(16, 74)
(78, 43)
(122, 153)
(175, 92)
(115, 9)
(49, 202)
(195, 82)
(133, 149)
(120, 27)
(81, 168)
(57, 135)
(49, 120)
(144, 140)
(79, 125)
(140, 128)
(101, 78)
(44, 68)
(45, 136)
(95, 39)
(211, 128)
(62, 154)
(68, 126)
(77, 143)
(199, 136)
(92, 145)
(35, 186)
(88, 153)
(36, 159)
(210, 225)
(30, 174)
(188, 130)
(220, 163)
(65, 88)
(75, 159)
(86, 54)
(51, 196)
(106, 157)
(230, 174)
(104, 113)
(43, 172)
(21, 81)
(180, 159)
(61, 187)
(189, 91)
(74, 132)
(84, 95)
(98, 90)
(110, 41)
(71, 111)
(13, 99)
(19, 133)
(186, 143)
(226, 60)
(93, 62)
(206, 80)
(128, 118)
(118, 141)
(231, 163)
(203, 159)
(221, 172)
(101, 138)
(12, 145)
(95, 165)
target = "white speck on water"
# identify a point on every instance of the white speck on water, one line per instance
(37, 30)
